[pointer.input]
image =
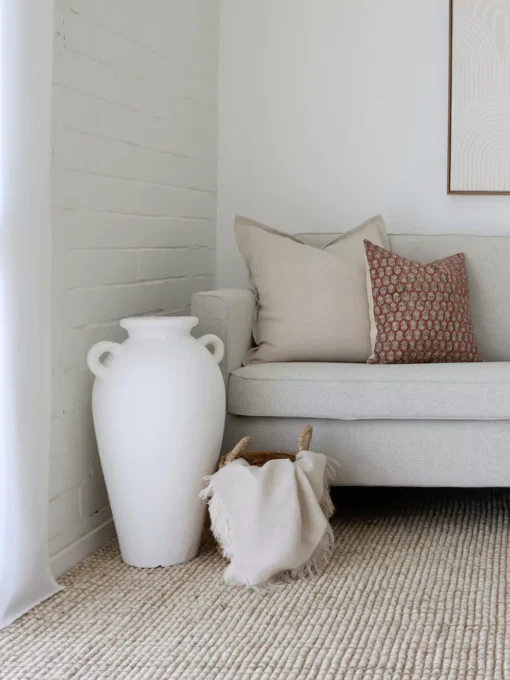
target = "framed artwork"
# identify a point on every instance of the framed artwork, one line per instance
(479, 97)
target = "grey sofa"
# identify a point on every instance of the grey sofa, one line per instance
(404, 425)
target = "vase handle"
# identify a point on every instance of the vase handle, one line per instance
(95, 353)
(217, 345)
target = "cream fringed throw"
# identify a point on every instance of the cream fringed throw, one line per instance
(272, 521)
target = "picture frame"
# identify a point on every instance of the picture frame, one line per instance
(478, 148)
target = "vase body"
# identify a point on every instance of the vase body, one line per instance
(159, 410)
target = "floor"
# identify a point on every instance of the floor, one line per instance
(418, 589)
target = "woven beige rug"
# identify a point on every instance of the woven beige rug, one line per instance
(418, 589)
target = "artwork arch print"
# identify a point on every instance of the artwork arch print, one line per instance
(479, 97)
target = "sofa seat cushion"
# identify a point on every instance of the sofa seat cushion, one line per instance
(341, 391)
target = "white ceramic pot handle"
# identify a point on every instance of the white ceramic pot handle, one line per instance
(96, 352)
(217, 345)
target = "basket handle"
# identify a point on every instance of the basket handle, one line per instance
(305, 437)
(237, 450)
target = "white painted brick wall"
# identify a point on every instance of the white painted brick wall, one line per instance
(133, 203)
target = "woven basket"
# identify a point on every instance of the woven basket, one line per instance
(260, 457)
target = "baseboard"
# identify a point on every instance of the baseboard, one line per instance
(86, 545)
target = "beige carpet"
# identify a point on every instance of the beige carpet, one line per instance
(418, 589)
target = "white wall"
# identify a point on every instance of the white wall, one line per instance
(333, 110)
(134, 208)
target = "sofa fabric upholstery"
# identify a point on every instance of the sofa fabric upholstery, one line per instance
(467, 391)
(447, 453)
(409, 425)
(229, 315)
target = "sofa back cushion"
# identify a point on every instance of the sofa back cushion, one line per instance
(488, 266)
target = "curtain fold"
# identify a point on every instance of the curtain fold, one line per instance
(26, 50)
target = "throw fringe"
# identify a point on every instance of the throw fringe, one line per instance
(326, 503)
(313, 567)
(221, 525)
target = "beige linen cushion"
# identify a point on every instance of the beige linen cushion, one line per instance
(312, 303)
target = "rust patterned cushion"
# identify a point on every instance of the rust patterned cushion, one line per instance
(419, 313)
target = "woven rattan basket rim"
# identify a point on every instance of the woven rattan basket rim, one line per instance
(265, 455)
(241, 450)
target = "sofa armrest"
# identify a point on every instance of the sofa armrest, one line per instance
(229, 315)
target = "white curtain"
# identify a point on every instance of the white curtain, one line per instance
(26, 35)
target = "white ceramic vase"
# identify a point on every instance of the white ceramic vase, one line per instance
(159, 411)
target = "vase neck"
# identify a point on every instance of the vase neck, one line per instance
(159, 327)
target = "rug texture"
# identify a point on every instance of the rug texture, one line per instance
(417, 589)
